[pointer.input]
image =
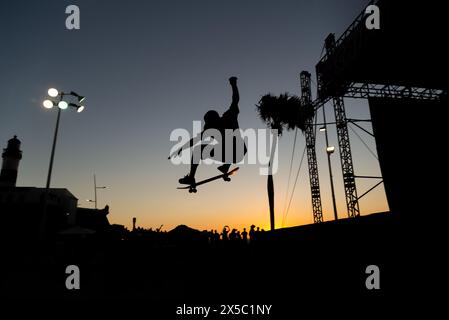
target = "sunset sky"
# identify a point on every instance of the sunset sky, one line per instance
(149, 67)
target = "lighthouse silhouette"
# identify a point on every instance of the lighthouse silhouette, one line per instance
(10, 165)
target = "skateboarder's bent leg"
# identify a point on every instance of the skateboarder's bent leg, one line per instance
(238, 154)
(197, 156)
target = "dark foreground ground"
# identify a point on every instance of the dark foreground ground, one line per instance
(291, 269)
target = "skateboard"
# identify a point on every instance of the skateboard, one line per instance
(225, 176)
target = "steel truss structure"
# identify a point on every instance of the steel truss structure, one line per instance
(370, 90)
(306, 99)
(341, 74)
(347, 168)
(344, 145)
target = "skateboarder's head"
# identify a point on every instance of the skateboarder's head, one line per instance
(211, 120)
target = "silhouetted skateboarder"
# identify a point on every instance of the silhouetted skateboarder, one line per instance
(212, 120)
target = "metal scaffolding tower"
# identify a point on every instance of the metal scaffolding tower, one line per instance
(347, 167)
(306, 98)
(356, 65)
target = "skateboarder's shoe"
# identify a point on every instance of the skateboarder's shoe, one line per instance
(223, 168)
(187, 180)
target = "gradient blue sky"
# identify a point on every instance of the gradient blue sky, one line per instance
(148, 67)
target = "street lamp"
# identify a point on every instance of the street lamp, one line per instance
(62, 105)
(329, 151)
(48, 104)
(52, 92)
(95, 192)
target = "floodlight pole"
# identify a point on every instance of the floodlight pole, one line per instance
(55, 138)
(334, 204)
(50, 167)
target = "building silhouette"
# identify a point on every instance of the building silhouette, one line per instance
(22, 208)
(10, 165)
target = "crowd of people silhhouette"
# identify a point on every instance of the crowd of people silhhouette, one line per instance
(183, 234)
(233, 235)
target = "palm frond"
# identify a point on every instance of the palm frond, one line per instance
(283, 112)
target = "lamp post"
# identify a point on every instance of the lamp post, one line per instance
(62, 105)
(329, 151)
(95, 191)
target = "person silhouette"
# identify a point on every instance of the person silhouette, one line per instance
(233, 235)
(252, 233)
(212, 120)
(224, 233)
(244, 235)
(216, 236)
(238, 236)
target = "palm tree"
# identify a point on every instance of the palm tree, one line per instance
(279, 113)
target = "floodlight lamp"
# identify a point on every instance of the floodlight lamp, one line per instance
(52, 92)
(63, 105)
(330, 149)
(48, 104)
(80, 98)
